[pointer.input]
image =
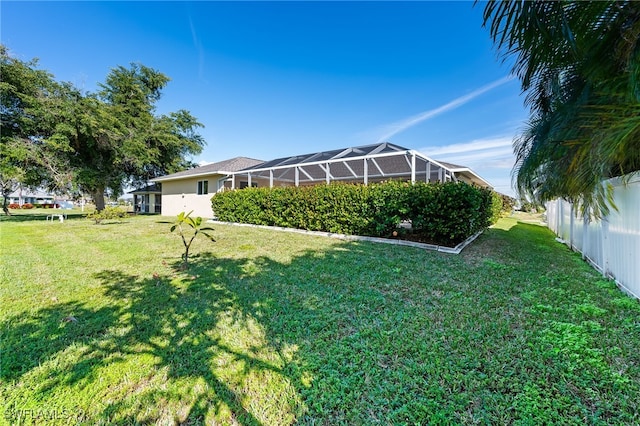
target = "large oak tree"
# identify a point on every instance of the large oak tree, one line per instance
(56, 136)
(23, 127)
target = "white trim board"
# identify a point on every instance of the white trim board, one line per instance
(443, 249)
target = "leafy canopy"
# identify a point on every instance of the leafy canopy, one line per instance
(23, 92)
(68, 139)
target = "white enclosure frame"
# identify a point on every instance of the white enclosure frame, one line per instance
(378, 162)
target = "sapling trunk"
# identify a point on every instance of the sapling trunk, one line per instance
(195, 224)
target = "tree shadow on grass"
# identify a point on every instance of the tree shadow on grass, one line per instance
(356, 333)
(220, 330)
(29, 340)
(175, 324)
(239, 341)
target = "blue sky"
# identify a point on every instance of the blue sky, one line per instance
(275, 79)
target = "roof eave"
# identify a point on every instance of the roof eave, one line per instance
(170, 178)
(474, 174)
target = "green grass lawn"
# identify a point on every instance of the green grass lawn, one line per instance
(99, 324)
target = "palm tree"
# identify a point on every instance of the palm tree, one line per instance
(579, 64)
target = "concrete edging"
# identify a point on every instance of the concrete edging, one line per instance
(443, 249)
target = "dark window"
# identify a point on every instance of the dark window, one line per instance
(145, 203)
(203, 187)
(158, 204)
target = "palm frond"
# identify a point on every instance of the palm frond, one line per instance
(579, 65)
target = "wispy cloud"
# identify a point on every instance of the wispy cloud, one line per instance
(198, 45)
(492, 158)
(476, 145)
(481, 154)
(392, 129)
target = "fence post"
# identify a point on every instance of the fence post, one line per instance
(585, 233)
(605, 232)
(571, 223)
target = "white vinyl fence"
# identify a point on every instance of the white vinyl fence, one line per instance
(611, 245)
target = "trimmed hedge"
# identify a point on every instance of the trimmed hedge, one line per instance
(442, 213)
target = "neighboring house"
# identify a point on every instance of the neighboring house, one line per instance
(192, 189)
(148, 199)
(23, 196)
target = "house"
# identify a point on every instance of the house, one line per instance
(147, 199)
(192, 189)
(31, 196)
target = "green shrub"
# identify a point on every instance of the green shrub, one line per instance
(497, 206)
(389, 204)
(444, 213)
(508, 204)
(108, 213)
(530, 207)
(451, 212)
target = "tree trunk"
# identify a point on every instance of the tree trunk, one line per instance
(98, 198)
(5, 206)
(5, 201)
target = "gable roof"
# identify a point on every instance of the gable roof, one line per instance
(31, 193)
(220, 168)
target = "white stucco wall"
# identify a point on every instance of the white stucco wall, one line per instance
(181, 196)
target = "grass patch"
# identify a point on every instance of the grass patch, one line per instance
(99, 325)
